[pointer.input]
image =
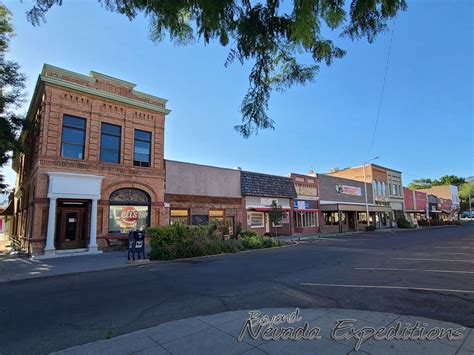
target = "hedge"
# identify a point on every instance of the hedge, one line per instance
(181, 241)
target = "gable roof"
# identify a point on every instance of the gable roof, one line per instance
(256, 184)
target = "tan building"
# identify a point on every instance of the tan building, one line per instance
(200, 194)
(386, 186)
(95, 167)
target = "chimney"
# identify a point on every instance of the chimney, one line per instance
(238, 168)
(311, 173)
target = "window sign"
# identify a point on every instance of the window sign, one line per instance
(124, 218)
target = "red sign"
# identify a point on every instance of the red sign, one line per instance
(129, 215)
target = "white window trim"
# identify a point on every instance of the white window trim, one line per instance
(263, 219)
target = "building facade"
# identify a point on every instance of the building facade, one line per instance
(343, 204)
(416, 204)
(258, 193)
(447, 192)
(387, 189)
(306, 207)
(199, 194)
(96, 167)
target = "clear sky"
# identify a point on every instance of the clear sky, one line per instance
(426, 122)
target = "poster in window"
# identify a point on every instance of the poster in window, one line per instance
(122, 219)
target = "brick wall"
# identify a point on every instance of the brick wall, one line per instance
(50, 104)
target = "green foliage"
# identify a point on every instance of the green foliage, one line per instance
(180, 241)
(370, 228)
(403, 223)
(464, 190)
(11, 96)
(247, 234)
(443, 180)
(267, 33)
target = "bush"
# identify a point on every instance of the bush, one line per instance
(370, 228)
(403, 223)
(181, 241)
(457, 222)
(247, 234)
(271, 243)
(252, 242)
(423, 223)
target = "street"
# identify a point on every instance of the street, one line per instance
(427, 273)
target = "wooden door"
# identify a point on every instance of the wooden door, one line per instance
(72, 223)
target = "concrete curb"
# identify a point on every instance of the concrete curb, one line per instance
(218, 334)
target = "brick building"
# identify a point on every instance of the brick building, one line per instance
(386, 186)
(258, 192)
(416, 204)
(199, 194)
(95, 168)
(343, 204)
(306, 205)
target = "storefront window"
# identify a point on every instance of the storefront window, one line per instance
(331, 218)
(129, 210)
(255, 219)
(179, 216)
(216, 216)
(305, 219)
(362, 217)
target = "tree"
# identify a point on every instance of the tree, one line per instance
(449, 180)
(275, 214)
(464, 190)
(11, 96)
(420, 184)
(266, 33)
(443, 180)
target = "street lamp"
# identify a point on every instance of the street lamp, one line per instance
(365, 188)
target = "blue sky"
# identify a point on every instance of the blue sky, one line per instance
(426, 122)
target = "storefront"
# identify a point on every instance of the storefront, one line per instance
(129, 209)
(259, 193)
(258, 217)
(416, 205)
(200, 195)
(306, 205)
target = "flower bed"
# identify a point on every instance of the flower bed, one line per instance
(181, 241)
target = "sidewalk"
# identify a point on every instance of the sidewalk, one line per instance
(218, 333)
(20, 268)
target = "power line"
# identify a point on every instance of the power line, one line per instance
(383, 90)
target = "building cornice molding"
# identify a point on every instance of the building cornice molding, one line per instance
(103, 94)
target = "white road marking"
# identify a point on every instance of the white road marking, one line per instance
(463, 247)
(423, 270)
(445, 260)
(388, 287)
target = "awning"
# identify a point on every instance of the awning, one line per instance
(305, 210)
(350, 207)
(265, 209)
(9, 210)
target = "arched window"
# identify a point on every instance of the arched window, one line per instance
(374, 186)
(384, 191)
(379, 188)
(129, 209)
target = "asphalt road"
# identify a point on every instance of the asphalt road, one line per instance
(427, 273)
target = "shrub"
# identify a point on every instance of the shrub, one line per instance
(370, 228)
(457, 222)
(181, 241)
(423, 223)
(403, 223)
(246, 234)
(271, 242)
(252, 242)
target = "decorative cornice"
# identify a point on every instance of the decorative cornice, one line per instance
(103, 94)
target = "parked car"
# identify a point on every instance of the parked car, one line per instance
(467, 214)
